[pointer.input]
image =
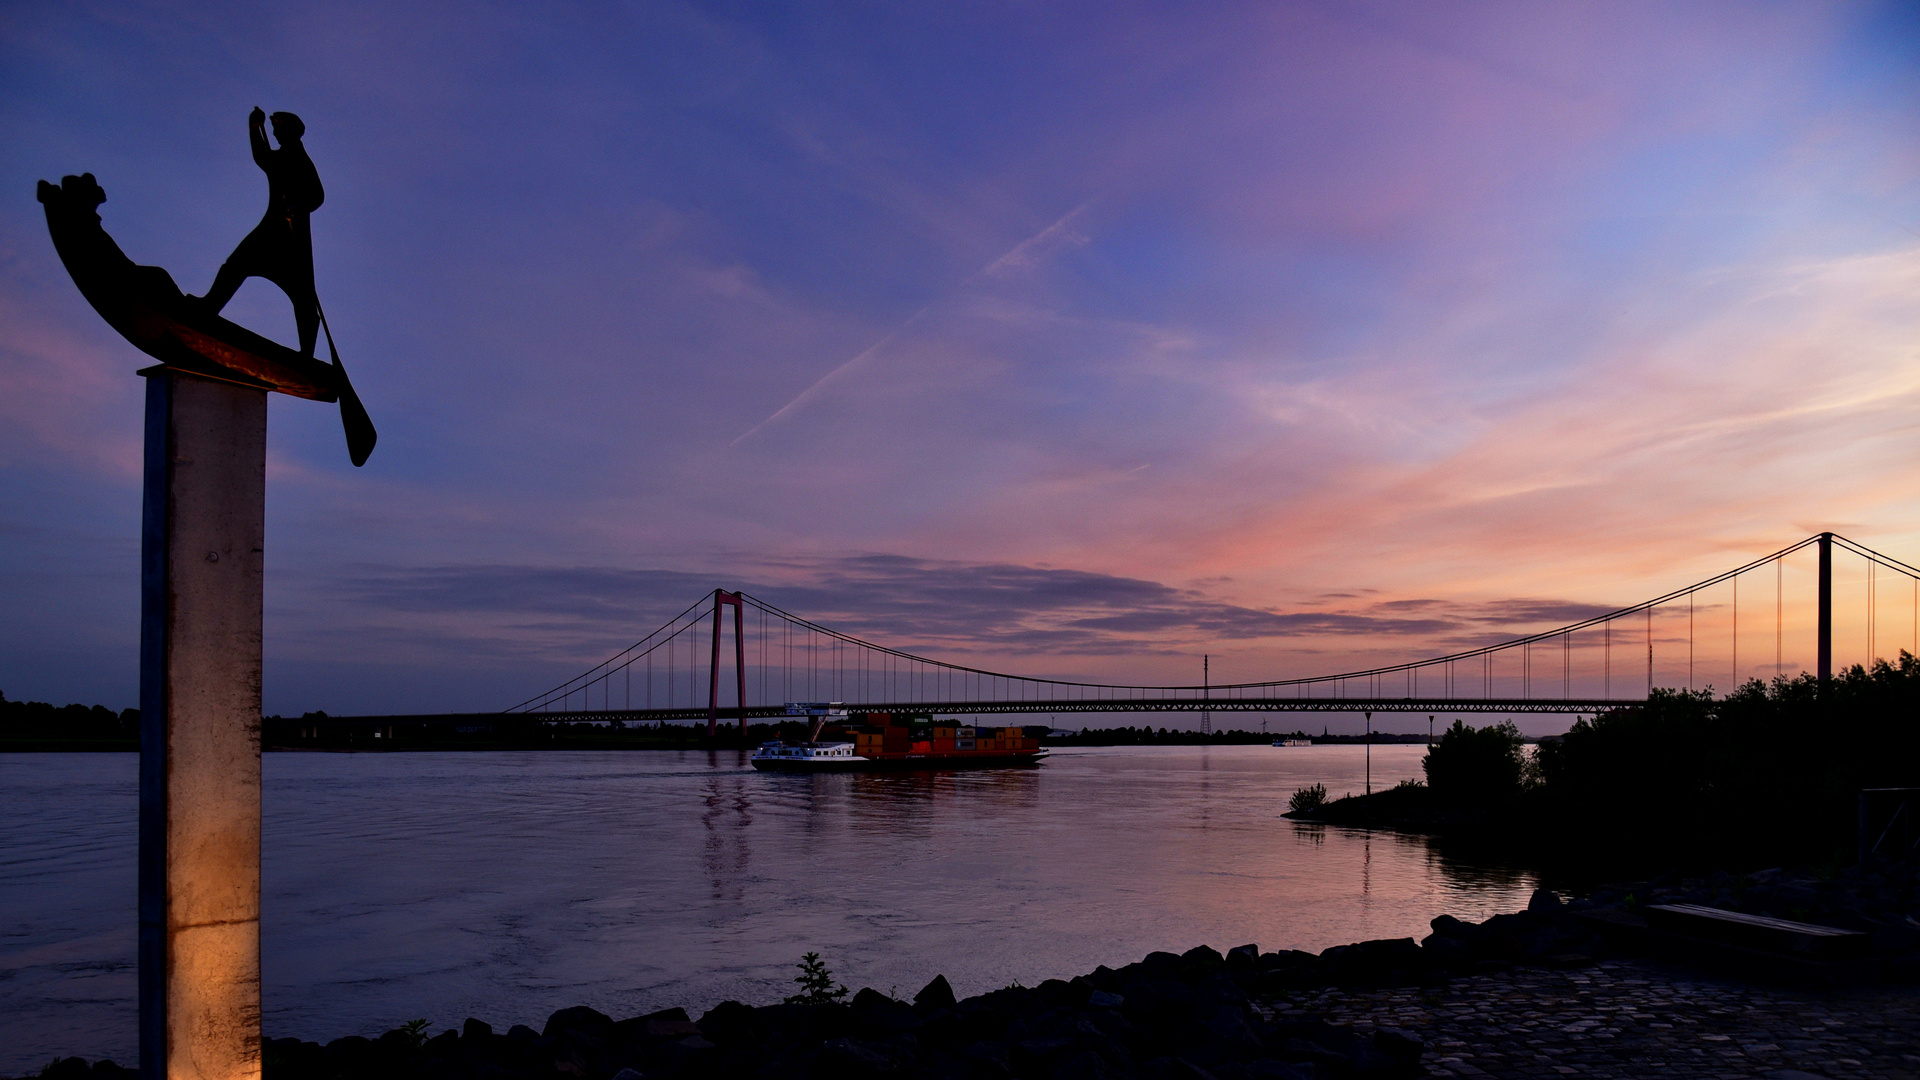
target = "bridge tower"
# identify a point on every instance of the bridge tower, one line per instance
(1824, 657)
(724, 599)
(1206, 693)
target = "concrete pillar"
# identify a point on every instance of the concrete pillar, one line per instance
(201, 570)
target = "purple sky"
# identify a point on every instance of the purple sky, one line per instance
(1062, 339)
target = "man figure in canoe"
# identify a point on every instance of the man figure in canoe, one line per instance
(280, 248)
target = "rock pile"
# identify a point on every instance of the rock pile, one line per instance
(1191, 1017)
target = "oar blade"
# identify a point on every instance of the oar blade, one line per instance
(354, 418)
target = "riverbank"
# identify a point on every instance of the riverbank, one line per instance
(1550, 990)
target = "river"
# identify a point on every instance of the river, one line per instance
(506, 885)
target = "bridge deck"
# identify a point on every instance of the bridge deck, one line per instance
(1045, 708)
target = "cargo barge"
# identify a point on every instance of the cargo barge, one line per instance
(883, 742)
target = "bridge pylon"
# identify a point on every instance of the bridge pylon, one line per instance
(1823, 646)
(724, 599)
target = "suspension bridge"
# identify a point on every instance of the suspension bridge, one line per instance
(1610, 660)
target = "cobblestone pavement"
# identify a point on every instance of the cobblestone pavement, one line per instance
(1631, 1020)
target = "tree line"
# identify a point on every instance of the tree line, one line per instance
(1769, 773)
(34, 723)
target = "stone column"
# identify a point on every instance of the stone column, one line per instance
(200, 600)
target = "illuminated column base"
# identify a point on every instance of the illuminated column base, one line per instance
(201, 571)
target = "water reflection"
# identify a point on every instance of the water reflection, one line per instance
(727, 816)
(1366, 872)
(507, 885)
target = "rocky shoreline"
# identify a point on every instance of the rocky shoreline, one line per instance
(1197, 1015)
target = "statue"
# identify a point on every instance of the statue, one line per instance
(202, 568)
(145, 305)
(280, 248)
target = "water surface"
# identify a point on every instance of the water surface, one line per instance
(507, 885)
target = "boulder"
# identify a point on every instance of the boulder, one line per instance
(1228, 1033)
(1158, 1003)
(1043, 1053)
(580, 1017)
(1449, 952)
(878, 1013)
(1087, 1065)
(935, 995)
(1173, 1068)
(852, 1057)
(1275, 1069)
(1161, 963)
(1203, 958)
(988, 1057)
(1450, 927)
(729, 1022)
(1380, 962)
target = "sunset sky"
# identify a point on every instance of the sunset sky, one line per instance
(1062, 339)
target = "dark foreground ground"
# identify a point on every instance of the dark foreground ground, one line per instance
(1634, 1018)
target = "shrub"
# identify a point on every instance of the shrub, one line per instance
(1308, 798)
(816, 983)
(1770, 773)
(1477, 766)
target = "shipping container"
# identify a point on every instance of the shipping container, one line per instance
(963, 744)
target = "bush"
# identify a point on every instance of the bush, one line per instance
(1477, 766)
(816, 983)
(1308, 798)
(1768, 774)
(1653, 760)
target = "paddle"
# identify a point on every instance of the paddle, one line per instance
(353, 415)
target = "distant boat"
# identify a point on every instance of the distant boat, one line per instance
(883, 741)
(1293, 742)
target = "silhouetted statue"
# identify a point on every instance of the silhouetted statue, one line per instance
(280, 248)
(147, 308)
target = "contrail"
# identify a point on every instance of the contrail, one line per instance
(1015, 256)
(810, 391)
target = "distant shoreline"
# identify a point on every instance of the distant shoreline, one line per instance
(629, 743)
(518, 732)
